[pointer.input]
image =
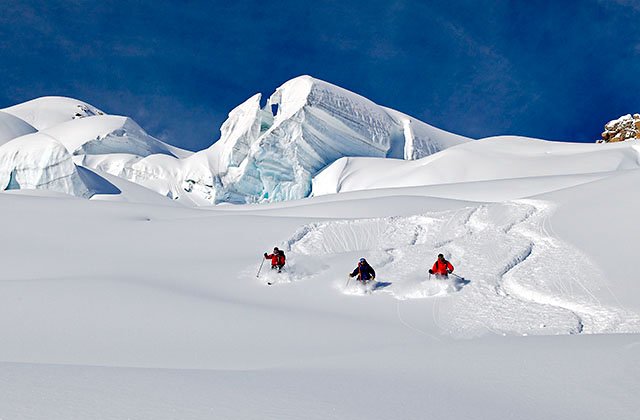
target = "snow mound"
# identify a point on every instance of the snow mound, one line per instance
(38, 161)
(12, 127)
(185, 180)
(48, 111)
(104, 134)
(496, 158)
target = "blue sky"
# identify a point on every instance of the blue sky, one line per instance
(549, 69)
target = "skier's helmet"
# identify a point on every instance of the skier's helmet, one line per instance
(362, 260)
(275, 249)
(440, 256)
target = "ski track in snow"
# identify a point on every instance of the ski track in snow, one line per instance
(521, 279)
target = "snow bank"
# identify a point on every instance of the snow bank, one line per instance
(12, 127)
(497, 158)
(187, 180)
(37, 161)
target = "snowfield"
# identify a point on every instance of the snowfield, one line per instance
(135, 304)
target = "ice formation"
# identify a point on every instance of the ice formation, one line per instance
(265, 153)
(273, 156)
(38, 161)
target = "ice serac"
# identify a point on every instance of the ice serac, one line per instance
(238, 132)
(12, 127)
(315, 123)
(38, 161)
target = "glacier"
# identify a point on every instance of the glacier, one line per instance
(272, 156)
(265, 153)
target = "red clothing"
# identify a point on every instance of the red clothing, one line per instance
(442, 268)
(276, 259)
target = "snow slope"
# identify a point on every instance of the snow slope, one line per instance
(49, 111)
(12, 127)
(107, 134)
(155, 311)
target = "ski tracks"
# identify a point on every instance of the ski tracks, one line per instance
(524, 279)
(556, 274)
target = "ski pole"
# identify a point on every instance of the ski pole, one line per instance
(457, 276)
(348, 280)
(260, 269)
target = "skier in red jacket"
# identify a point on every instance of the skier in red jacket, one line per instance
(441, 268)
(277, 259)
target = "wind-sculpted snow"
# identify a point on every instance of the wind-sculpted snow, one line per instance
(12, 127)
(49, 111)
(107, 134)
(498, 158)
(38, 161)
(518, 278)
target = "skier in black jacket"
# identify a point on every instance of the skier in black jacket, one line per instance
(364, 271)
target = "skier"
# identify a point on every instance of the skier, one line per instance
(364, 271)
(278, 259)
(441, 268)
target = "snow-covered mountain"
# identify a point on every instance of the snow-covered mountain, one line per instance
(131, 305)
(41, 139)
(265, 153)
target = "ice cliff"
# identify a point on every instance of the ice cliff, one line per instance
(38, 161)
(272, 153)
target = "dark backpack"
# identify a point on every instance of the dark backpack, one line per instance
(281, 258)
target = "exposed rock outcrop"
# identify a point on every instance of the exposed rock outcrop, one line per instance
(624, 128)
